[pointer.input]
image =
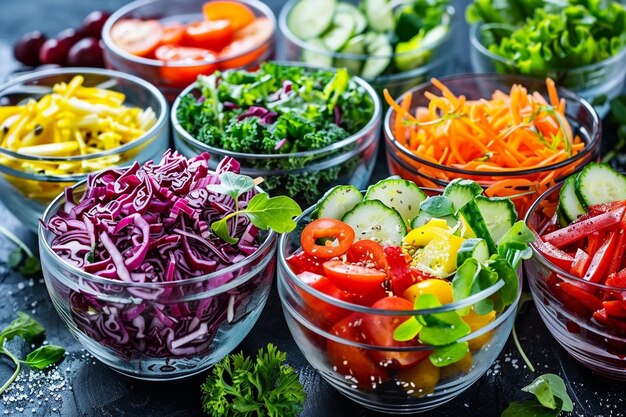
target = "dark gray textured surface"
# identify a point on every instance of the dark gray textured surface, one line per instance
(82, 386)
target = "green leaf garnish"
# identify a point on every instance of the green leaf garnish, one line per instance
(449, 354)
(407, 330)
(233, 185)
(551, 399)
(23, 326)
(43, 356)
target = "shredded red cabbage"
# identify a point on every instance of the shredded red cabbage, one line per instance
(151, 224)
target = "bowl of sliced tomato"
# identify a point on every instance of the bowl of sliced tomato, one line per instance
(170, 42)
(513, 135)
(401, 300)
(578, 272)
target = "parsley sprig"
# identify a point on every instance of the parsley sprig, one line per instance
(242, 387)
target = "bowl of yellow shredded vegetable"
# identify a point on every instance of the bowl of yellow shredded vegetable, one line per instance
(60, 125)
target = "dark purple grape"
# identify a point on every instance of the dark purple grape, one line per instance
(54, 51)
(93, 23)
(86, 53)
(26, 50)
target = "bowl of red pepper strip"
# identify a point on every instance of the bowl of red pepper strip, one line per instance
(577, 277)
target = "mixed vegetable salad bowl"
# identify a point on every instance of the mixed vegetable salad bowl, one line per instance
(170, 42)
(302, 129)
(577, 274)
(515, 136)
(393, 45)
(56, 126)
(157, 270)
(402, 304)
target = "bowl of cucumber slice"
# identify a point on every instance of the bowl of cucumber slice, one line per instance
(391, 45)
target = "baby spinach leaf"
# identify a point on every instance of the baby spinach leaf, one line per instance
(407, 330)
(232, 185)
(23, 326)
(508, 293)
(550, 391)
(530, 408)
(44, 356)
(463, 281)
(438, 206)
(449, 354)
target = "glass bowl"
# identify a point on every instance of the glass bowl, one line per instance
(599, 82)
(350, 161)
(566, 303)
(582, 117)
(438, 62)
(25, 191)
(419, 388)
(171, 78)
(158, 331)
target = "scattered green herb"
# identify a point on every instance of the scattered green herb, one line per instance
(21, 258)
(28, 329)
(239, 386)
(550, 400)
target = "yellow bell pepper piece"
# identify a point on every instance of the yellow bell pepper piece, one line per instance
(50, 149)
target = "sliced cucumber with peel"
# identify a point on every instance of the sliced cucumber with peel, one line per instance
(315, 58)
(570, 206)
(360, 22)
(337, 202)
(340, 31)
(379, 14)
(460, 191)
(380, 51)
(423, 218)
(355, 46)
(417, 50)
(499, 215)
(310, 18)
(598, 184)
(472, 248)
(402, 195)
(371, 219)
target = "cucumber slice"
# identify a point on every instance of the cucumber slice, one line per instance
(360, 22)
(598, 184)
(379, 14)
(569, 205)
(337, 202)
(471, 217)
(315, 58)
(380, 51)
(310, 18)
(374, 220)
(423, 218)
(461, 191)
(354, 46)
(499, 215)
(415, 52)
(472, 248)
(340, 32)
(402, 195)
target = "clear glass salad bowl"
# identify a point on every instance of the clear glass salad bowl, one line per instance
(152, 331)
(171, 78)
(597, 83)
(349, 161)
(439, 62)
(419, 388)
(580, 114)
(25, 191)
(569, 319)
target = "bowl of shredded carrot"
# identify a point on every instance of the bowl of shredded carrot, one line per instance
(515, 136)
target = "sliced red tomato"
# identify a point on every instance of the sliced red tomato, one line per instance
(581, 263)
(318, 306)
(249, 45)
(211, 34)
(378, 330)
(370, 298)
(601, 260)
(368, 252)
(238, 14)
(302, 261)
(576, 231)
(353, 278)
(338, 234)
(553, 254)
(351, 361)
(139, 37)
(197, 61)
(173, 34)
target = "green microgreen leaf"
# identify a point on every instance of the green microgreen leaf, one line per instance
(550, 391)
(408, 330)
(23, 326)
(438, 206)
(233, 185)
(43, 356)
(505, 272)
(449, 354)
(463, 281)
(530, 408)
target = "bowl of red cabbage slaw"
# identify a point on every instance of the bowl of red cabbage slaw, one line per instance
(133, 267)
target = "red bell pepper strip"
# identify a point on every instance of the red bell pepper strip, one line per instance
(554, 255)
(615, 308)
(617, 280)
(601, 260)
(618, 256)
(576, 231)
(594, 241)
(590, 301)
(581, 263)
(603, 318)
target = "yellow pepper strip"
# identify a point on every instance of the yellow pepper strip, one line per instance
(434, 247)
(50, 149)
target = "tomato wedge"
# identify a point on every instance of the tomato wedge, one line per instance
(302, 261)
(238, 14)
(319, 307)
(401, 273)
(213, 34)
(249, 45)
(355, 279)
(333, 229)
(378, 330)
(368, 252)
(350, 361)
(139, 37)
(198, 61)
(173, 34)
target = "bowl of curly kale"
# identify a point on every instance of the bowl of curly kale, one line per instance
(303, 129)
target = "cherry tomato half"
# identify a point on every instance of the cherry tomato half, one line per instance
(355, 279)
(249, 44)
(378, 330)
(321, 308)
(238, 14)
(173, 34)
(327, 228)
(351, 361)
(302, 261)
(139, 37)
(181, 76)
(213, 34)
(368, 252)
(402, 274)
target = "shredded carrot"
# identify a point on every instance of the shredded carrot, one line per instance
(493, 138)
